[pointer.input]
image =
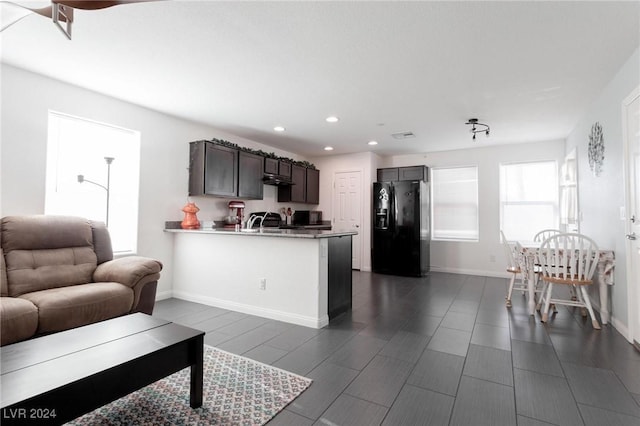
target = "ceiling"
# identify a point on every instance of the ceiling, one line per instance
(528, 69)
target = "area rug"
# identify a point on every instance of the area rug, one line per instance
(237, 391)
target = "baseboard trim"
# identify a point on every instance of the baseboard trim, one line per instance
(253, 310)
(164, 295)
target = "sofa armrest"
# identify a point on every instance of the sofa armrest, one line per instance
(139, 273)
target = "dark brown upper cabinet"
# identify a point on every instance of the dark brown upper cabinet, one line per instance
(222, 171)
(394, 174)
(305, 187)
(213, 170)
(250, 173)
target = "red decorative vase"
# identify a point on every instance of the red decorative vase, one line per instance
(190, 220)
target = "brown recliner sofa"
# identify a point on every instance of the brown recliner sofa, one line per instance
(58, 272)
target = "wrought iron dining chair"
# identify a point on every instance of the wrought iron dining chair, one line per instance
(514, 267)
(568, 259)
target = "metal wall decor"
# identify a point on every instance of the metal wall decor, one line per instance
(596, 149)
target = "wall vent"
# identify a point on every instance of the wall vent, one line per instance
(403, 135)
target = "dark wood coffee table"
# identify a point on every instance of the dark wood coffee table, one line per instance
(56, 378)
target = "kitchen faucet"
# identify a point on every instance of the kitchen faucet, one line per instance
(255, 217)
(252, 220)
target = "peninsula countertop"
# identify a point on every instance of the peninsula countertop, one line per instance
(267, 232)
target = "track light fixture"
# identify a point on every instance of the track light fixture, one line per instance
(474, 127)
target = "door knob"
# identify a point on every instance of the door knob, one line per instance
(357, 226)
(631, 236)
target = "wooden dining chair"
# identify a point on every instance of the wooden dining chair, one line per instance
(514, 267)
(568, 259)
(545, 233)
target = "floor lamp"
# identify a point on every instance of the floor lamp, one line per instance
(81, 179)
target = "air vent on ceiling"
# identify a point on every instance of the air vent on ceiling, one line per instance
(403, 135)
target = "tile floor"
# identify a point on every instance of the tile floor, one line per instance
(438, 350)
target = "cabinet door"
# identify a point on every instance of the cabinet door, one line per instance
(285, 169)
(297, 192)
(271, 166)
(313, 186)
(250, 173)
(196, 168)
(220, 170)
(388, 175)
(413, 173)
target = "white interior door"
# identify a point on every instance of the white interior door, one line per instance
(631, 123)
(347, 209)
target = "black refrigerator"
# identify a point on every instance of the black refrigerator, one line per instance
(401, 230)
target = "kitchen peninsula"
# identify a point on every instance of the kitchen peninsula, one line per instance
(297, 276)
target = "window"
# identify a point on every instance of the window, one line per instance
(455, 203)
(80, 147)
(528, 198)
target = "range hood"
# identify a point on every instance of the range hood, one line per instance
(273, 179)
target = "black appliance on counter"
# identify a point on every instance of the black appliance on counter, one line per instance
(306, 217)
(401, 229)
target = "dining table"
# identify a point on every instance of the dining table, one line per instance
(603, 276)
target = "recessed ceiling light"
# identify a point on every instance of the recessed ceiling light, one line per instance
(372, 143)
(332, 119)
(279, 129)
(328, 148)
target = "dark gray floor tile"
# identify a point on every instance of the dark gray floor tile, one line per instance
(535, 357)
(416, 406)
(293, 337)
(599, 388)
(329, 380)
(265, 354)
(489, 335)
(327, 341)
(489, 364)
(347, 410)
(219, 321)
(299, 361)
(243, 325)
(546, 398)
(594, 416)
(381, 380)
(421, 323)
(196, 317)
(464, 306)
(451, 341)
(171, 309)
(628, 371)
(287, 418)
(247, 341)
(357, 352)
(527, 421)
(483, 403)
(437, 371)
(405, 346)
(636, 396)
(495, 317)
(529, 329)
(459, 320)
(212, 338)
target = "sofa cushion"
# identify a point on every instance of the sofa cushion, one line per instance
(64, 308)
(18, 320)
(43, 252)
(44, 232)
(34, 270)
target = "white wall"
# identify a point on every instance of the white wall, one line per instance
(600, 198)
(476, 257)
(26, 100)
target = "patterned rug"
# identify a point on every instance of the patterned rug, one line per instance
(237, 391)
